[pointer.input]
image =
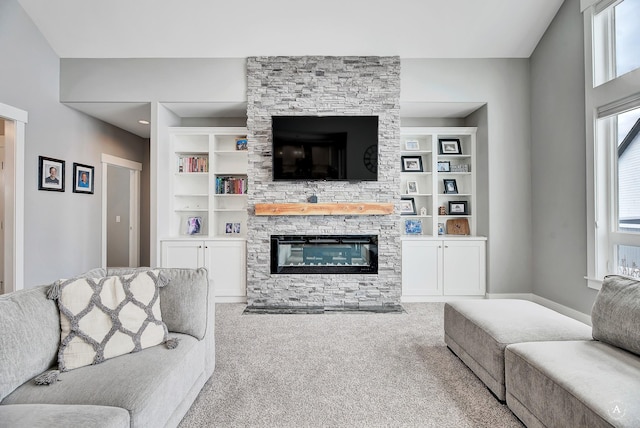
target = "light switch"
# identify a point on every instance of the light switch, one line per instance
(117, 219)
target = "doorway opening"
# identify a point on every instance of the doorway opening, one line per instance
(120, 212)
(12, 206)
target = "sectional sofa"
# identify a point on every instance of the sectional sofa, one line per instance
(552, 370)
(151, 388)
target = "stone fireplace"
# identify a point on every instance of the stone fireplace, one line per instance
(323, 86)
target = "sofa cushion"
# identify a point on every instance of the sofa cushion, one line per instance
(573, 384)
(29, 336)
(102, 318)
(477, 331)
(60, 416)
(183, 305)
(146, 383)
(616, 313)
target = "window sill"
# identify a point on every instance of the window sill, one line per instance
(594, 283)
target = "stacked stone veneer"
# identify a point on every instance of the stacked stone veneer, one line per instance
(323, 86)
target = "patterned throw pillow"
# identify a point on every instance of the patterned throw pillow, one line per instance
(101, 318)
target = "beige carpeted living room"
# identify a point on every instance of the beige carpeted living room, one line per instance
(228, 263)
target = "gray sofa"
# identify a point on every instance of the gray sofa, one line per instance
(560, 381)
(151, 388)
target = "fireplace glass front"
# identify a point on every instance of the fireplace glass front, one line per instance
(352, 254)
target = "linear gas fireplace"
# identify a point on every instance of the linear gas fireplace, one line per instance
(291, 254)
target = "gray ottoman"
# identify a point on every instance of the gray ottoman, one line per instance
(477, 331)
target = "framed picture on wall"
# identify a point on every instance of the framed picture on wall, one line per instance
(82, 178)
(50, 174)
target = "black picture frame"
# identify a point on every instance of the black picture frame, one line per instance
(411, 163)
(458, 208)
(449, 146)
(51, 174)
(450, 186)
(83, 178)
(408, 206)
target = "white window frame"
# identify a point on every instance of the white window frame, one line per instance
(617, 95)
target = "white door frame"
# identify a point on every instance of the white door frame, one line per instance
(14, 195)
(134, 206)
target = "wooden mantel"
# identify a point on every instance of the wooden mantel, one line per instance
(336, 208)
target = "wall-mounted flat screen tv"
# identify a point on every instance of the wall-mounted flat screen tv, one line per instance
(325, 148)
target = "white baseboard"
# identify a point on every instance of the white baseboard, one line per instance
(231, 299)
(564, 310)
(419, 299)
(585, 318)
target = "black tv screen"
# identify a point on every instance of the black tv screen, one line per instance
(325, 148)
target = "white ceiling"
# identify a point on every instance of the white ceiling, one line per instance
(242, 28)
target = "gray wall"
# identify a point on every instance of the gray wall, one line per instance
(62, 230)
(558, 154)
(117, 205)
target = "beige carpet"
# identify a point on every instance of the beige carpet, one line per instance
(341, 370)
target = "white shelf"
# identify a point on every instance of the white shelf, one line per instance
(218, 146)
(429, 181)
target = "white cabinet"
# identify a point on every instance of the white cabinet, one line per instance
(443, 267)
(224, 259)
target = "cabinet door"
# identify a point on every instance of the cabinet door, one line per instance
(464, 268)
(227, 265)
(182, 254)
(421, 275)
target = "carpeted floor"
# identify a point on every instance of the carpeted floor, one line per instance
(341, 370)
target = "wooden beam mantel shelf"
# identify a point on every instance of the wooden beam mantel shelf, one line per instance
(362, 208)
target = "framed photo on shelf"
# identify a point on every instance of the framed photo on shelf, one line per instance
(407, 206)
(450, 146)
(50, 174)
(450, 186)
(194, 225)
(82, 178)
(411, 164)
(458, 208)
(440, 228)
(444, 166)
(241, 144)
(411, 145)
(413, 227)
(412, 187)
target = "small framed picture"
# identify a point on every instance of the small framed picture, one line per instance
(440, 228)
(450, 186)
(450, 146)
(411, 164)
(458, 208)
(194, 225)
(444, 166)
(413, 227)
(228, 228)
(241, 144)
(407, 206)
(412, 187)
(236, 227)
(411, 145)
(50, 174)
(82, 178)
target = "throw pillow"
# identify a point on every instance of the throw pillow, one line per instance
(101, 318)
(616, 313)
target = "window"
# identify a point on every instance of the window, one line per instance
(612, 111)
(618, 193)
(616, 39)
